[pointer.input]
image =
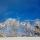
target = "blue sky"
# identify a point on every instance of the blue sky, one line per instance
(24, 9)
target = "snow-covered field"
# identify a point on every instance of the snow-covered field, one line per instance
(16, 28)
